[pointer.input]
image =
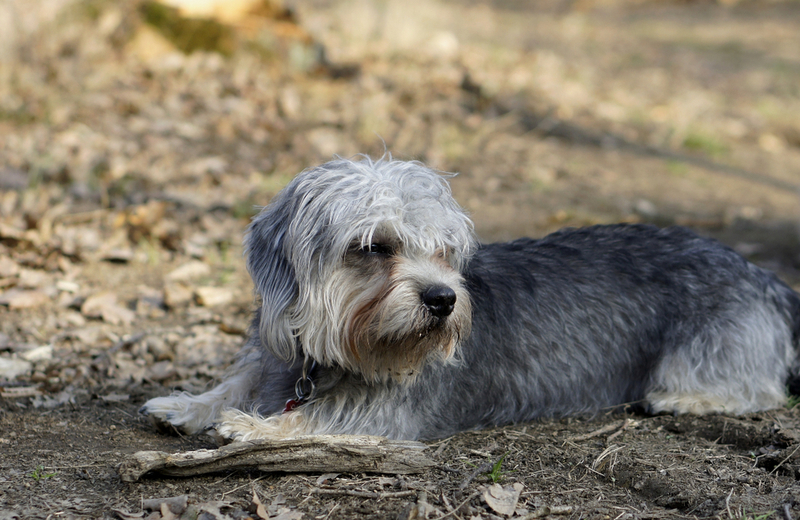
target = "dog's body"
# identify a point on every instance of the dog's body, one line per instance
(369, 270)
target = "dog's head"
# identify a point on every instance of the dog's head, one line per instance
(358, 263)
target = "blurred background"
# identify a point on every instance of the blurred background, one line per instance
(556, 112)
(138, 137)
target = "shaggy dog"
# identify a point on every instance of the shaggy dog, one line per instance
(380, 314)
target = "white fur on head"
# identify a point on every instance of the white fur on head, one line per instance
(296, 249)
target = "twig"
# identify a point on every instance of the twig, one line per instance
(441, 448)
(728, 504)
(364, 494)
(606, 452)
(605, 429)
(331, 511)
(784, 460)
(483, 468)
(547, 511)
(619, 432)
(459, 506)
(449, 506)
(222, 498)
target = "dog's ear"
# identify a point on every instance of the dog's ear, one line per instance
(273, 276)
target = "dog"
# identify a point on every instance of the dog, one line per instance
(379, 313)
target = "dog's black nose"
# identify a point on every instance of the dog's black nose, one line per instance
(439, 300)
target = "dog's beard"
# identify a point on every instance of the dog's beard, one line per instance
(394, 336)
(377, 326)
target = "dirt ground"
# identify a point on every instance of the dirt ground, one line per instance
(129, 170)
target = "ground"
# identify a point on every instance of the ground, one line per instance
(129, 170)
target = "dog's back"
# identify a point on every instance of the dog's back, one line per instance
(590, 318)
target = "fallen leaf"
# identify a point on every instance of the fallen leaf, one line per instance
(166, 514)
(287, 514)
(503, 499)
(125, 515)
(17, 299)
(176, 505)
(323, 479)
(213, 509)
(261, 511)
(104, 305)
(94, 304)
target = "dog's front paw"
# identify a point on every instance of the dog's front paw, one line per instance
(238, 426)
(182, 413)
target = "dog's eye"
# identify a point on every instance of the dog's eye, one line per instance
(377, 249)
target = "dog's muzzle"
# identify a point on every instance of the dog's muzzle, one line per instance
(439, 300)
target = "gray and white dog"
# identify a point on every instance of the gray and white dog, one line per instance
(380, 314)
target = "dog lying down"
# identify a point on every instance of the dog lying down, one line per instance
(380, 314)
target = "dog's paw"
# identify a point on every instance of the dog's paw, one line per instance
(182, 413)
(238, 426)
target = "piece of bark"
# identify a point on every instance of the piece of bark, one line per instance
(312, 453)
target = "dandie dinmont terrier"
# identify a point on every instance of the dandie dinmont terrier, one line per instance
(380, 314)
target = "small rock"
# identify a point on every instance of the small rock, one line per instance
(213, 296)
(8, 267)
(189, 271)
(93, 305)
(161, 370)
(443, 45)
(326, 141)
(43, 353)
(118, 315)
(150, 303)
(71, 319)
(771, 143)
(289, 102)
(118, 255)
(645, 208)
(176, 295)
(32, 279)
(67, 286)
(149, 308)
(10, 368)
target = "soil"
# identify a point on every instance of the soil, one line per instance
(129, 170)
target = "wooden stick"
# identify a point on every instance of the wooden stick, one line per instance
(312, 453)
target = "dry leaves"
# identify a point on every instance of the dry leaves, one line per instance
(503, 499)
(105, 305)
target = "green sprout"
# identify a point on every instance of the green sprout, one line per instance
(39, 474)
(496, 475)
